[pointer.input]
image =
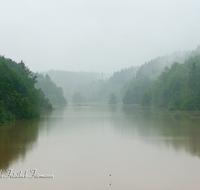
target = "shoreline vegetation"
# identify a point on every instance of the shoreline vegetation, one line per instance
(170, 82)
(155, 83)
(176, 88)
(19, 98)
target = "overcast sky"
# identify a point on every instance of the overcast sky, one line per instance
(96, 35)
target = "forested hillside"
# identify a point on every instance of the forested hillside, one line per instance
(19, 99)
(98, 91)
(177, 88)
(90, 86)
(149, 72)
(51, 91)
(69, 81)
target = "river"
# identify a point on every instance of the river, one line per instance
(97, 147)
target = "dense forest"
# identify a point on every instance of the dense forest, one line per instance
(171, 81)
(99, 91)
(69, 81)
(51, 91)
(19, 99)
(148, 73)
(92, 87)
(127, 85)
(177, 88)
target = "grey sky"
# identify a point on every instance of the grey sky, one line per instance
(96, 35)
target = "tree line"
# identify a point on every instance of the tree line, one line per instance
(146, 87)
(51, 90)
(177, 88)
(19, 98)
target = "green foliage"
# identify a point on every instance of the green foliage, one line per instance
(193, 104)
(98, 91)
(154, 67)
(94, 87)
(135, 90)
(19, 99)
(2, 113)
(146, 99)
(78, 98)
(177, 88)
(51, 91)
(123, 76)
(76, 81)
(112, 99)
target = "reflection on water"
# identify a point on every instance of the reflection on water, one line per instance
(174, 130)
(16, 138)
(82, 145)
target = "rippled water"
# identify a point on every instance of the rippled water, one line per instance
(97, 147)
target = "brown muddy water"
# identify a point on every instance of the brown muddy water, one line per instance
(97, 147)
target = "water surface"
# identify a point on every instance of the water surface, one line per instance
(97, 147)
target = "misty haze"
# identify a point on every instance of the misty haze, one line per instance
(100, 95)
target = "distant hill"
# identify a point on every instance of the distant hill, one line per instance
(149, 72)
(94, 87)
(99, 91)
(177, 88)
(69, 81)
(51, 91)
(154, 67)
